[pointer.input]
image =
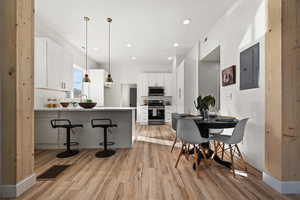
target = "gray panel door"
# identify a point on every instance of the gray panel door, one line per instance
(249, 68)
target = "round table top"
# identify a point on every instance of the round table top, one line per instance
(215, 123)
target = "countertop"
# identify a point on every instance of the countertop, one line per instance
(79, 109)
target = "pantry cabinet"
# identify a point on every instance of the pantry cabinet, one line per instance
(168, 84)
(53, 66)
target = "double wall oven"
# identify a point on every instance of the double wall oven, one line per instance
(156, 112)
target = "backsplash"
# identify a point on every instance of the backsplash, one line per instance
(41, 96)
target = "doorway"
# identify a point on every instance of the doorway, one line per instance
(209, 75)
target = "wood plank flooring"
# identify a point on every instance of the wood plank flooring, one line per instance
(141, 173)
(163, 132)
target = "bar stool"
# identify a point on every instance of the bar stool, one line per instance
(65, 123)
(106, 123)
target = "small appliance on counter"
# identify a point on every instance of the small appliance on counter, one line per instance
(52, 103)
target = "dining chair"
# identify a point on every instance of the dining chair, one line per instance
(188, 133)
(232, 141)
(175, 117)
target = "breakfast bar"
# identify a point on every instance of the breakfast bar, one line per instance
(87, 137)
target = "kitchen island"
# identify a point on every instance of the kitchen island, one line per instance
(47, 137)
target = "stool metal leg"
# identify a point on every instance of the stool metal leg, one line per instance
(106, 152)
(69, 151)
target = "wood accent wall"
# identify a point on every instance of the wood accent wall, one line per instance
(283, 90)
(16, 69)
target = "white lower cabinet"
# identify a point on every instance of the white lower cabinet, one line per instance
(168, 114)
(45, 135)
(143, 115)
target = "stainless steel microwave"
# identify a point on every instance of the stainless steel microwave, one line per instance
(156, 91)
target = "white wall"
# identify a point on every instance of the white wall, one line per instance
(191, 67)
(180, 89)
(242, 26)
(128, 74)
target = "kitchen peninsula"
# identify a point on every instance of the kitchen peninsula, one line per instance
(48, 138)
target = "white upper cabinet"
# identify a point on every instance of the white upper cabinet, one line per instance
(156, 80)
(55, 62)
(143, 85)
(67, 78)
(168, 84)
(53, 66)
(40, 63)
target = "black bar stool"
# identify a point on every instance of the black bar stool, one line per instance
(106, 123)
(65, 123)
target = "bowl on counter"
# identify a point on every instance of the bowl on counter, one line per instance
(64, 104)
(87, 105)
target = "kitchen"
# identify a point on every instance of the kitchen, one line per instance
(60, 89)
(140, 99)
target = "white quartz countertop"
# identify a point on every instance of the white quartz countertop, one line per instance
(79, 109)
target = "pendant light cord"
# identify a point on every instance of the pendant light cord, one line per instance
(86, 46)
(109, 47)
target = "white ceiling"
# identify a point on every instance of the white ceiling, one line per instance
(151, 26)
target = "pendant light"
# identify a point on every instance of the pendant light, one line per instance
(109, 81)
(86, 78)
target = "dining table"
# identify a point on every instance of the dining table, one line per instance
(204, 126)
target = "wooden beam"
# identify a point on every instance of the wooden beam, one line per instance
(283, 90)
(16, 67)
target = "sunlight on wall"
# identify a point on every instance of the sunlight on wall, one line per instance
(258, 28)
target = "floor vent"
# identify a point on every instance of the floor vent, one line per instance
(52, 173)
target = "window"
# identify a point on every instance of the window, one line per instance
(77, 81)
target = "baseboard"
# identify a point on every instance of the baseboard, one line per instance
(13, 191)
(284, 187)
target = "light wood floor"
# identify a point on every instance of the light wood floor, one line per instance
(163, 132)
(144, 172)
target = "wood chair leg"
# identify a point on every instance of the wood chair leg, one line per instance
(232, 160)
(241, 156)
(216, 149)
(223, 150)
(196, 161)
(174, 143)
(180, 154)
(187, 152)
(204, 155)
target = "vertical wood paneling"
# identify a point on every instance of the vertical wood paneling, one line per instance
(283, 90)
(273, 90)
(16, 55)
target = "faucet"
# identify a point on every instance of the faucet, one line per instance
(83, 95)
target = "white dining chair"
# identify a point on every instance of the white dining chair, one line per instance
(232, 141)
(188, 133)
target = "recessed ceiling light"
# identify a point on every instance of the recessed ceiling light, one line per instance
(133, 58)
(96, 49)
(170, 58)
(186, 21)
(129, 45)
(175, 44)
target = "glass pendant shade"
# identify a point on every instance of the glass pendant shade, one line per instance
(86, 79)
(109, 81)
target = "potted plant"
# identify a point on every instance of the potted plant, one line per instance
(203, 104)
